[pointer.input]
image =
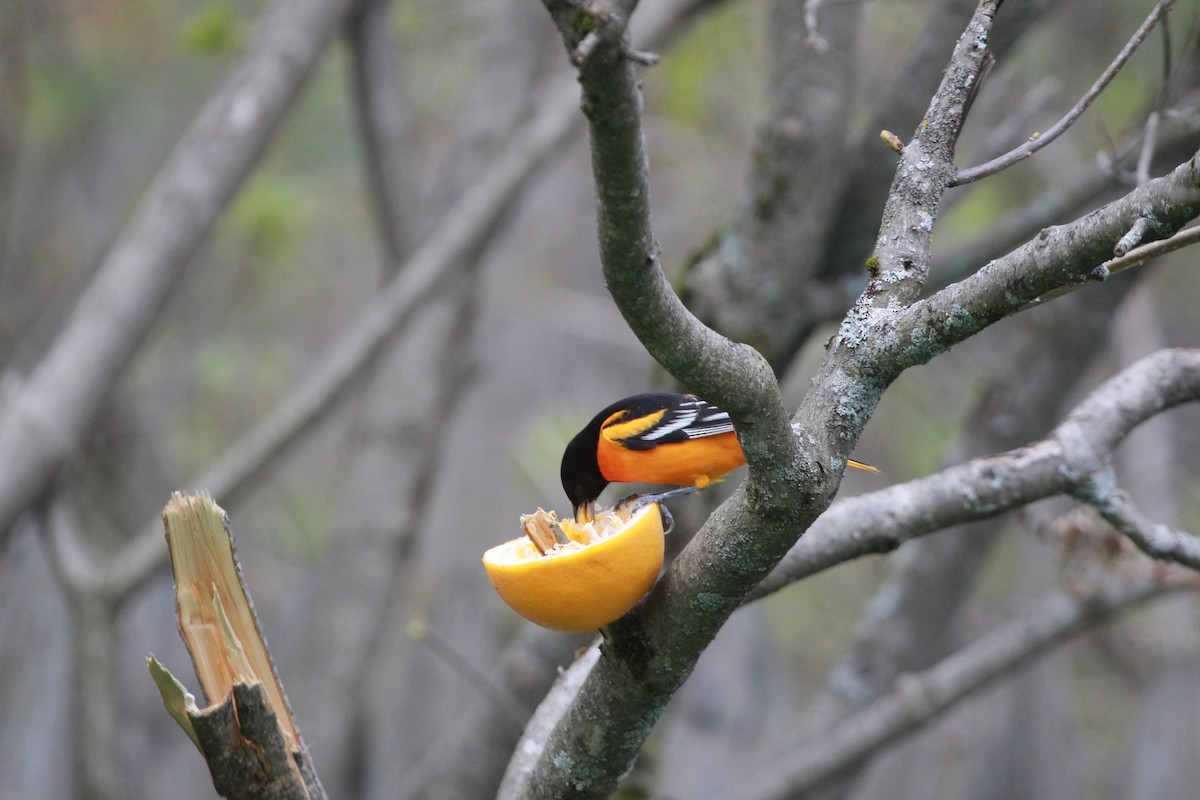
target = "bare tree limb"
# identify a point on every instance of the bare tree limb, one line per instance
(1062, 255)
(1024, 222)
(542, 724)
(879, 522)
(1063, 462)
(852, 378)
(45, 418)
(911, 621)
(924, 172)
(919, 698)
(1152, 538)
(1032, 145)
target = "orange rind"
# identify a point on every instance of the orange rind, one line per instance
(596, 577)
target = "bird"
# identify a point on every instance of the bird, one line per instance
(655, 437)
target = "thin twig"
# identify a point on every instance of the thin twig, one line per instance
(1133, 237)
(590, 26)
(1032, 145)
(1140, 255)
(1051, 206)
(1154, 539)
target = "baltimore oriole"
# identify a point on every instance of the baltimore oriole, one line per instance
(657, 437)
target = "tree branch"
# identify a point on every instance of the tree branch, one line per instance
(1061, 255)
(925, 169)
(725, 372)
(910, 623)
(1152, 538)
(920, 698)
(648, 654)
(46, 418)
(1032, 145)
(424, 274)
(1062, 463)
(879, 522)
(850, 382)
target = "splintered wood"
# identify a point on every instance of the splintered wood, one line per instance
(246, 734)
(216, 617)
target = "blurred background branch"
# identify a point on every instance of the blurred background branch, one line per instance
(46, 416)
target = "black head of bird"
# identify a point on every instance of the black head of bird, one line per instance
(580, 471)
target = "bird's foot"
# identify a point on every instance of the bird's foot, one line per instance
(635, 502)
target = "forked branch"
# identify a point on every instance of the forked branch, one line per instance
(1035, 143)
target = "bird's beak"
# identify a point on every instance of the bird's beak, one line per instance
(585, 512)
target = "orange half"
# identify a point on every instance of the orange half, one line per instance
(597, 578)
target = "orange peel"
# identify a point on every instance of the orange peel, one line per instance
(594, 579)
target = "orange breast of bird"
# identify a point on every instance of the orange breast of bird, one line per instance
(695, 462)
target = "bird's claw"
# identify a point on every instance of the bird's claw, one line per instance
(635, 502)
